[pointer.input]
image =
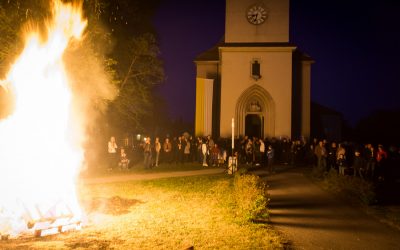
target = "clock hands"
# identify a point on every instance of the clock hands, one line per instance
(254, 17)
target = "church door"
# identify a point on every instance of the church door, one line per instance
(254, 125)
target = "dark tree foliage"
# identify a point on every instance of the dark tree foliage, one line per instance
(119, 35)
(381, 127)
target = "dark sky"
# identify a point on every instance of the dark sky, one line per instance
(354, 45)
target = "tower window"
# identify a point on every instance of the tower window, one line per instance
(255, 70)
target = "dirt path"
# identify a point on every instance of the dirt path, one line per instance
(314, 219)
(150, 176)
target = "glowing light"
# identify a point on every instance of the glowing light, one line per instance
(40, 142)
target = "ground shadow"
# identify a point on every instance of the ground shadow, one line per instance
(112, 205)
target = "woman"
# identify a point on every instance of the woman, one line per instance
(112, 153)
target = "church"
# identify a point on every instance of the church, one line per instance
(254, 82)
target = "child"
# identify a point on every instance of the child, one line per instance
(341, 162)
(124, 161)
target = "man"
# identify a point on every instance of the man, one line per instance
(157, 148)
(270, 159)
(147, 151)
(320, 152)
(167, 148)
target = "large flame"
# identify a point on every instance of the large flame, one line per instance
(40, 142)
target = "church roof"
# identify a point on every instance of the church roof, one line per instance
(323, 110)
(258, 45)
(212, 54)
(301, 56)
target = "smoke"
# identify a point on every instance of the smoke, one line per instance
(93, 84)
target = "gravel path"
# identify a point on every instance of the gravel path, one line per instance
(314, 219)
(150, 176)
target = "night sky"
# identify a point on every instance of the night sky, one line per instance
(354, 45)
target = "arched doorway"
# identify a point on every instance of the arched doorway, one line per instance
(254, 124)
(255, 113)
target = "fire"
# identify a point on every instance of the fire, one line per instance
(40, 142)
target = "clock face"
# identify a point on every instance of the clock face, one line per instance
(256, 14)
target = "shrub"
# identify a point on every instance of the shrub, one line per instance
(355, 188)
(251, 197)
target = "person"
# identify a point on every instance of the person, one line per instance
(341, 163)
(381, 157)
(331, 158)
(199, 150)
(358, 164)
(262, 152)
(321, 154)
(215, 151)
(270, 159)
(112, 153)
(124, 161)
(249, 152)
(167, 147)
(257, 151)
(147, 151)
(157, 149)
(179, 150)
(370, 158)
(204, 150)
(186, 149)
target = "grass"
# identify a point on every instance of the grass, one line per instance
(170, 213)
(138, 168)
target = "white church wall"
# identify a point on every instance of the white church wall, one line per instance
(275, 28)
(276, 72)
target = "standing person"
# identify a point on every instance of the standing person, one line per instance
(179, 150)
(204, 151)
(341, 163)
(199, 150)
(112, 153)
(341, 159)
(332, 156)
(249, 152)
(147, 151)
(270, 159)
(167, 148)
(186, 150)
(214, 152)
(262, 152)
(358, 164)
(320, 152)
(193, 149)
(157, 149)
(381, 157)
(370, 157)
(257, 152)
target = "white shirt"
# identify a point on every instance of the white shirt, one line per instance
(112, 147)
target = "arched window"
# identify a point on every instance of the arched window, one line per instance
(255, 70)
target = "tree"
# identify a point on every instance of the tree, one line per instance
(135, 100)
(131, 73)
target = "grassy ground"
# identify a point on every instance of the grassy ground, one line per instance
(171, 213)
(139, 169)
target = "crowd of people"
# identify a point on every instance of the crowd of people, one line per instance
(365, 161)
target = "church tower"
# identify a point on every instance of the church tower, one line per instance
(255, 76)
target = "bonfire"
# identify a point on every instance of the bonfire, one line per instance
(41, 140)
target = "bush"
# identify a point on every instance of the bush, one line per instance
(351, 187)
(251, 197)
